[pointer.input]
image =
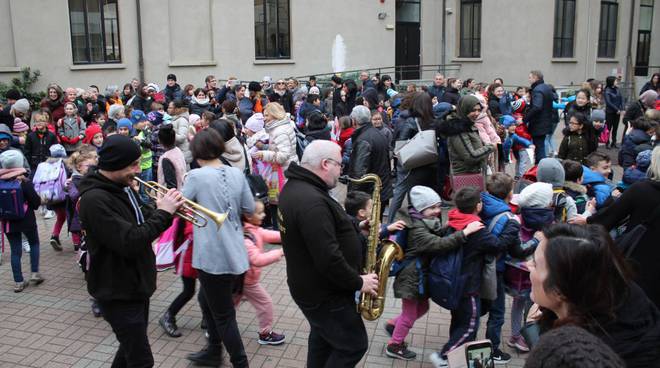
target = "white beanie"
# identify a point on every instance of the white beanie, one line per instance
(22, 106)
(11, 159)
(255, 122)
(536, 195)
(422, 197)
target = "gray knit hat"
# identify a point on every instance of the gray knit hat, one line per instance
(114, 110)
(550, 170)
(598, 115)
(11, 159)
(422, 197)
(572, 347)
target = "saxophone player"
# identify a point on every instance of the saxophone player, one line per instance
(324, 256)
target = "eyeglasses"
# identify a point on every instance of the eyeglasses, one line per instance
(280, 82)
(333, 161)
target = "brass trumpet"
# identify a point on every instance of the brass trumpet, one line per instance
(190, 211)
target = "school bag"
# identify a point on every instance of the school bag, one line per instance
(49, 182)
(559, 204)
(445, 281)
(12, 201)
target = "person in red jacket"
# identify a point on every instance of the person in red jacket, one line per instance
(253, 291)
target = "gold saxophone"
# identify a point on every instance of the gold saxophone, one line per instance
(371, 307)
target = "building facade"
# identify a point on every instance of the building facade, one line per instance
(106, 42)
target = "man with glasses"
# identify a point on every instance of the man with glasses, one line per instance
(324, 258)
(281, 95)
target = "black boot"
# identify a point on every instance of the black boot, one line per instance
(210, 356)
(203, 324)
(168, 323)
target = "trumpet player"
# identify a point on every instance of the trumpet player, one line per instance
(119, 232)
(324, 256)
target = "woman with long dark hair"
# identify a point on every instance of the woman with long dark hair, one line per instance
(613, 108)
(419, 111)
(219, 254)
(653, 84)
(603, 300)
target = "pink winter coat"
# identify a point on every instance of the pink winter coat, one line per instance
(487, 131)
(255, 248)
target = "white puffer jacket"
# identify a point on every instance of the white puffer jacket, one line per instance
(180, 124)
(281, 143)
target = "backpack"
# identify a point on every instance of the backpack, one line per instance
(445, 281)
(49, 182)
(257, 184)
(401, 238)
(12, 201)
(559, 204)
(301, 142)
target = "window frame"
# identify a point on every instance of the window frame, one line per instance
(606, 45)
(264, 31)
(474, 37)
(88, 46)
(561, 29)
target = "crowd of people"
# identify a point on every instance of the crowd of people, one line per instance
(544, 224)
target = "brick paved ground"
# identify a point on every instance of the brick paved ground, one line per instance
(51, 325)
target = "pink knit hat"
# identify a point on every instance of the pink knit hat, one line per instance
(20, 126)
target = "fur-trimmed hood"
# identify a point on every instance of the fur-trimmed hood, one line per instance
(579, 188)
(455, 126)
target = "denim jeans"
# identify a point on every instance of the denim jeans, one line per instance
(145, 175)
(496, 314)
(215, 299)
(337, 336)
(129, 321)
(16, 246)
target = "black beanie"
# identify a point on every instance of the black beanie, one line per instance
(572, 347)
(254, 86)
(13, 94)
(117, 152)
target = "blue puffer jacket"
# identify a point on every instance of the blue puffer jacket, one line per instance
(597, 186)
(631, 176)
(630, 147)
(493, 206)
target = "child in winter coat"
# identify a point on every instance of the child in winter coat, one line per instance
(636, 172)
(573, 184)
(596, 172)
(57, 157)
(535, 202)
(255, 236)
(426, 238)
(71, 128)
(636, 141)
(517, 144)
(79, 163)
(143, 138)
(575, 145)
(12, 170)
(257, 138)
(94, 136)
(38, 142)
(481, 244)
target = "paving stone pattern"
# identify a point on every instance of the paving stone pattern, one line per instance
(51, 325)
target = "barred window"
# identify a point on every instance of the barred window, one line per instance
(470, 32)
(564, 34)
(94, 31)
(272, 29)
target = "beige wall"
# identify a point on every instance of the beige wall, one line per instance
(194, 38)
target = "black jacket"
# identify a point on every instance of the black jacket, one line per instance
(539, 114)
(172, 93)
(634, 111)
(370, 155)
(141, 103)
(37, 147)
(29, 222)
(122, 263)
(322, 249)
(451, 96)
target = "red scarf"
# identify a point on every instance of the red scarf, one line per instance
(459, 220)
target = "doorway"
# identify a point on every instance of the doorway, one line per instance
(407, 45)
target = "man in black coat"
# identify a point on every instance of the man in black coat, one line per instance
(539, 115)
(370, 154)
(119, 232)
(323, 258)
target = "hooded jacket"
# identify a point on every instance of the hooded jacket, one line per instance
(467, 153)
(322, 249)
(281, 143)
(172, 93)
(478, 246)
(254, 242)
(122, 263)
(597, 186)
(632, 145)
(235, 154)
(370, 154)
(37, 145)
(426, 239)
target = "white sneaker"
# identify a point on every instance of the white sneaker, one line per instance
(49, 214)
(26, 246)
(437, 361)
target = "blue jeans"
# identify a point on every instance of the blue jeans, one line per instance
(496, 314)
(145, 175)
(539, 148)
(16, 245)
